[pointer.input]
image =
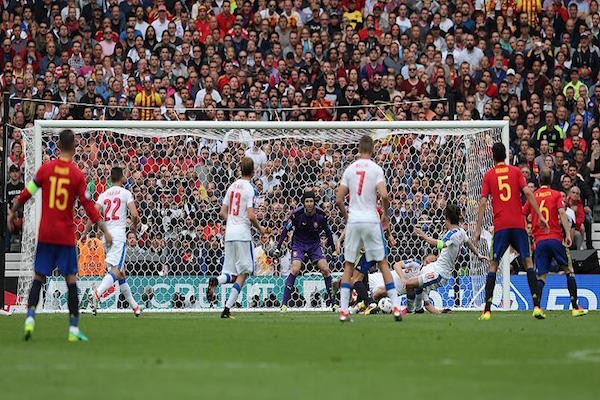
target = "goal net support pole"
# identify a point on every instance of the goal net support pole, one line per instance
(472, 138)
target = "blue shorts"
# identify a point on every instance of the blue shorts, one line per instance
(515, 237)
(546, 250)
(50, 256)
(365, 267)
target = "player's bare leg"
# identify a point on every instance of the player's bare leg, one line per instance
(233, 295)
(75, 335)
(379, 293)
(390, 287)
(289, 283)
(214, 282)
(345, 288)
(32, 302)
(326, 272)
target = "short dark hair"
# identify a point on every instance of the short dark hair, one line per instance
(309, 194)
(116, 174)
(499, 152)
(66, 140)
(452, 212)
(365, 146)
(247, 167)
(545, 176)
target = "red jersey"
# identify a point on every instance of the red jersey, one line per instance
(504, 183)
(549, 201)
(61, 183)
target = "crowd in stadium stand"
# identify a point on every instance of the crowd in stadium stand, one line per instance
(533, 63)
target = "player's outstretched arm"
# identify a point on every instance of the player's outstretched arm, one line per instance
(107, 236)
(27, 193)
(341, 194)
(385, 203)
(284, 232)
(564, 220)
(224, 212)
(135, 216)
(480, 213)
(428, 239)
(89, 224)
(92, 211)
(399, 268)
(475, 251)
(431, 308)
(329, 236)
(254, 220)
(338, 245)
(533, 204)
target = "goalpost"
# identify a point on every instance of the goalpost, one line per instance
(179, 172)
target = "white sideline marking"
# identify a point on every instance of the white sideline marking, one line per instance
(589, 355)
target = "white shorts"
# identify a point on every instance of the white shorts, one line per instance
(369, 235)
(239, 257)
(376, 281)
(430, 278)
(115, 255)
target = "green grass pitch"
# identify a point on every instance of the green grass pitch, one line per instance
(303, 356)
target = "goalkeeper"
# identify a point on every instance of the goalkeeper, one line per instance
(307, 221)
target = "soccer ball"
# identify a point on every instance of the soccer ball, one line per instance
(385, 305)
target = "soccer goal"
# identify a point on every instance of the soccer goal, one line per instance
(179, 171)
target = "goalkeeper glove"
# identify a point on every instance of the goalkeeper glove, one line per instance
(277, 252)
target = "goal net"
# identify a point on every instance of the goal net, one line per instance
(178, 173)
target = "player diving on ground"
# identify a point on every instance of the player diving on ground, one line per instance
(438, 273)
(417, 301)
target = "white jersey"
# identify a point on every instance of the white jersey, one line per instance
(454, 240)
(114, 203)
(239, 198)
(412, 268)
(361, 178)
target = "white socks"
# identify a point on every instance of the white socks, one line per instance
(126, 290)
(107, 282)
(223, 279)
(233, 295)
(393, 295)
(419, 301)
(344, 297)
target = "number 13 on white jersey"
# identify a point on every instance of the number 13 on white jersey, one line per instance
(239, 197)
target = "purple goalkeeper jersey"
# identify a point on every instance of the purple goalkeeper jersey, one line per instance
(307, 228)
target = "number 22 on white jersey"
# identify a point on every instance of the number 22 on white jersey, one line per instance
(114, 202)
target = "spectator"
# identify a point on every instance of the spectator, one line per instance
(322, 60)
